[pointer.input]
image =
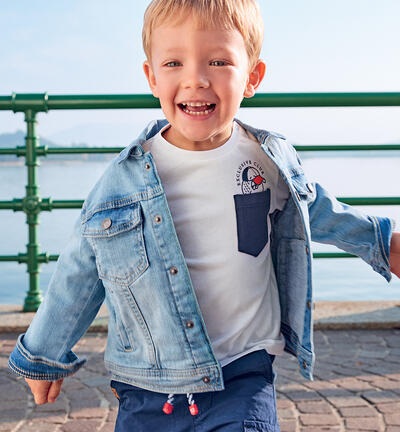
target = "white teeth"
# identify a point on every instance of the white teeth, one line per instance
(196, 104)
(186, 107)
(196, 113)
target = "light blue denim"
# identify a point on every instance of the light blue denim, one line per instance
(125, 251)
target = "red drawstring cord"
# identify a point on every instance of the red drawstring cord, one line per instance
(169, 405)
(192, 406)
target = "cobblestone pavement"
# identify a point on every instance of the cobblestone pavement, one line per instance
(356, 388)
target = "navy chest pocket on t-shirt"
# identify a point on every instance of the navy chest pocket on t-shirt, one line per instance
(251, 220)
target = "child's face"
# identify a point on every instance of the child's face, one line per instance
(207, 67)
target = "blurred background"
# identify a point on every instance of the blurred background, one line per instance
(94, 47)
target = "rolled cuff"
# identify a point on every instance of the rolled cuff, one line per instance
(383, 229)
(23, 363)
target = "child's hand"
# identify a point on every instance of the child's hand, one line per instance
(395, 254)
(44, 391)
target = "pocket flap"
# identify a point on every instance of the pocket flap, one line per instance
(107, 223)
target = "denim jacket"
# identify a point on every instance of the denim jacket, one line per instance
(125, 251)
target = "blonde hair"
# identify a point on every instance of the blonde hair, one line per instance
(243, 15)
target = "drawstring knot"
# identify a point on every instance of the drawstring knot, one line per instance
(169, 405)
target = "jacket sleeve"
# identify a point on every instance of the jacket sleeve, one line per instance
(73, 298)
(345, 227)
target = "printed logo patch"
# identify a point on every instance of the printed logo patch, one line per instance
(250, 177)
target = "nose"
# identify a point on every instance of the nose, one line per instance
(195, 77)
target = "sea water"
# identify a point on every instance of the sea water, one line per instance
(344, 175)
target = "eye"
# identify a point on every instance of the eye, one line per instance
(172, 64)
(218, 63)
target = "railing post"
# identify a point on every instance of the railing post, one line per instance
(31, 206)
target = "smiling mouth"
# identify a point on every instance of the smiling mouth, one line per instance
(197, 108)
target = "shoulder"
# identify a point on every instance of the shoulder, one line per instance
(122, 182)
(275, 142)
(265, 137)
(105, 191)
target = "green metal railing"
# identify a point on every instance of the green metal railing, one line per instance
(32, 204)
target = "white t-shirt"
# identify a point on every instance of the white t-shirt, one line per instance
(212, 196)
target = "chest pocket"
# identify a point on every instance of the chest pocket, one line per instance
(251, 221)
(116, 236)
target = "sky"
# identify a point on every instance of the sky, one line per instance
(94, 47)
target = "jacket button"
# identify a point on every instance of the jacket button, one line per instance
(310, 187)
(106, 223)
(304, 364)
(206, 379)
(173, 270)
(157, 219)
(309, 304)
(307, 250)
(189, 324)
(147, 166)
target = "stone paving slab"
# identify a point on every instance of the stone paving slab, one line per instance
(335, 315)
(356, 387)
(328, 315)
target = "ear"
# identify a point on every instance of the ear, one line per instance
(151, 78)
(254, 79)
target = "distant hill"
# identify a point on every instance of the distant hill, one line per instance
(9, 140)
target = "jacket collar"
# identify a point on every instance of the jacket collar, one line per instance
(136, 150)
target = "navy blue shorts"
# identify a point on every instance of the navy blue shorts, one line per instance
(248, 403)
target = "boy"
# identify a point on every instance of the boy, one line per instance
(205, 289)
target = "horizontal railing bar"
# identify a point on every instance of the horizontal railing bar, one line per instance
(69, 150)
(43, 102)
(11, 151)
(321, 100)
(44, 258)
(374, 201)
(346, 147)
(68, 204)
(45, 205)
(10, 258)
(333, 255)
(48, 205)
(15, 204)
(43, 151)
(23, 258)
